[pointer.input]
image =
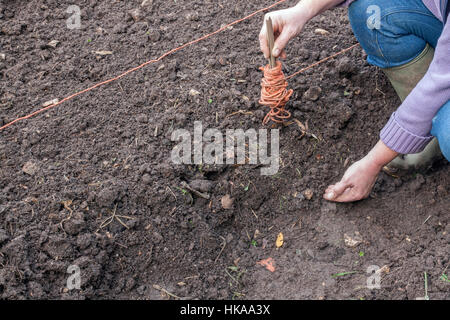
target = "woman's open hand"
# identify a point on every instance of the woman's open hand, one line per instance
(356, 183)
(359, 179)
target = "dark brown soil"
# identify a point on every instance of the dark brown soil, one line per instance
(109, 151)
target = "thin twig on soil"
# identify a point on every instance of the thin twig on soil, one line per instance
(157, 287)
(299, 221)
(426, 219)
(113, 216)
(172, 213)
(66, 205)
(248, 113)
(149, 253)
(171, 192)
(223, 248)
(231, 276)
(121, 245)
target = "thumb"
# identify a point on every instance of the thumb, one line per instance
(336, 190)
(281, 42)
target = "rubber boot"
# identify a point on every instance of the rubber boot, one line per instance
(417, 161)
(404, 79)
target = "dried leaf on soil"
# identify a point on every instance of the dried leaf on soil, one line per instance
(280, 240)
(352, 241)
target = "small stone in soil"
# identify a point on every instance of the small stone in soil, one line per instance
(142, 118)
(136, 14)
(202, 185)
(346, 66)
(74, 226)
(227, 202)
(106, 197)
(29, 168)
(313, 93)
(146, 178)
(308, 193)
(154, 35)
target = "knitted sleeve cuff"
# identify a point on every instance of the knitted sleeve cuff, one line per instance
(400, 140)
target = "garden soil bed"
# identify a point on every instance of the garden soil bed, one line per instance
(63, 173)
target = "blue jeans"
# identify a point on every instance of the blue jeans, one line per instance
(405, 28)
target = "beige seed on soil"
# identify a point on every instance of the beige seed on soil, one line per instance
(194, 92)
(103, 53)
(321, 31)
(50, 102)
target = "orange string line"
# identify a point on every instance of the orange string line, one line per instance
(274, 93)
(142, 65)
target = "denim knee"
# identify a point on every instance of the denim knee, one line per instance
(402, 32)
(441, 129)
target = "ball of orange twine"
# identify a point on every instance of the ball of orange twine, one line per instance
(274, 93)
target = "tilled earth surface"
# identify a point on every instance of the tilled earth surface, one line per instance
(91, 184)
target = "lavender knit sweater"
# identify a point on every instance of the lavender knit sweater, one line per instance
(408, 129)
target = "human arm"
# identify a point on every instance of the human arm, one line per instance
(408, 129)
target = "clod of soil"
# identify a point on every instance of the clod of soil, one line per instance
(313, 93)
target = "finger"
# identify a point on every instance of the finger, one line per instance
(281, 42)
(283, 54)
(349, 195)
(263, 43)
(329, 188)
(336, 191)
